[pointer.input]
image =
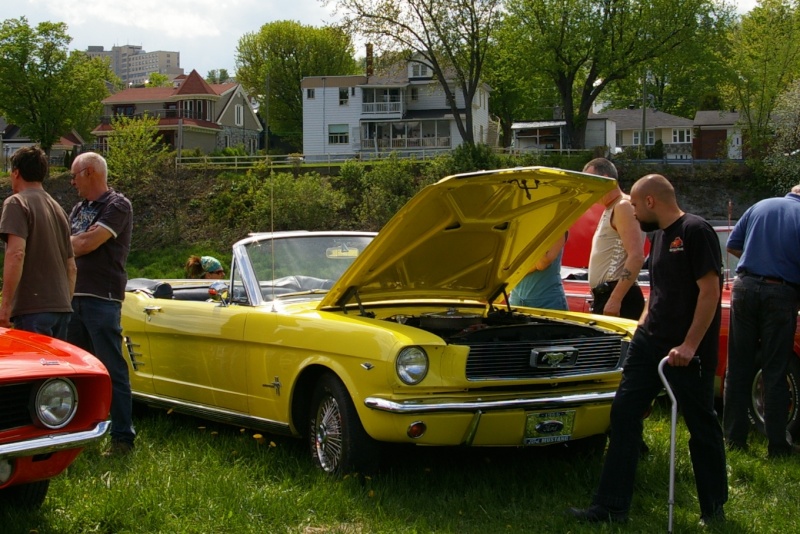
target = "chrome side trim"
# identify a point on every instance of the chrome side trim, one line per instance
(54, 442)
(526, 403)
(216, 414)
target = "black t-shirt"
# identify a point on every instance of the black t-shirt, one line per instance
(681, 254)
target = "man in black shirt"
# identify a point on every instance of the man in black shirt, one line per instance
(682, 321)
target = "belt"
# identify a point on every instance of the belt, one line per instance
(770, 279)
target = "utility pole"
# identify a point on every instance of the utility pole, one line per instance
(644, 116)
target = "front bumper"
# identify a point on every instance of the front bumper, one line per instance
(438, 405)
(54, 443)
(488, 420)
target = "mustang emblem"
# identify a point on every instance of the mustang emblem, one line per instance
(553, 357)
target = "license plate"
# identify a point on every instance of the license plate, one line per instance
(542, 428)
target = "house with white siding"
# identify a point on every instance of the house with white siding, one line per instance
(674, 132)
(406, 112)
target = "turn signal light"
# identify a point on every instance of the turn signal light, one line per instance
(416, 429)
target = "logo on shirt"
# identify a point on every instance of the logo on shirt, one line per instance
(676, 245)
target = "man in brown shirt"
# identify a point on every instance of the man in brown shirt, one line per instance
(39, 269)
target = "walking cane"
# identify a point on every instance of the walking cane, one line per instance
(673, 425)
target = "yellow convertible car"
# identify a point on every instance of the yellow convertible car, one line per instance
(350, 339)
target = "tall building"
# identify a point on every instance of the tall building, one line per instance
(133, 65)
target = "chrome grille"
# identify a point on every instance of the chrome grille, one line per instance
(511, 360)
(15, 402)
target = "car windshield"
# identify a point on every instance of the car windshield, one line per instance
(729, 261)
(298, 263)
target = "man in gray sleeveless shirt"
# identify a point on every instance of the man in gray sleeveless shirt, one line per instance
(617, 252)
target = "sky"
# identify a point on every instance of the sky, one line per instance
(205, 32)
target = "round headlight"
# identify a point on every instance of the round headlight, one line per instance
(412, 365)
(6, 468)
(56, 402)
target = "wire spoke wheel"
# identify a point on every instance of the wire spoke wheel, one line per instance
(328, 434)
(337, 441)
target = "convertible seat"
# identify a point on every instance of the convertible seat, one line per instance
(155, 288)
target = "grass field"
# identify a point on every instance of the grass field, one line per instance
(189, 475)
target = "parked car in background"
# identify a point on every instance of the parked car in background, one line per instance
(579, 298)
(54, 400)
(352, 339)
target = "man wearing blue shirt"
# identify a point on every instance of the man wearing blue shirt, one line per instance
(764, 307)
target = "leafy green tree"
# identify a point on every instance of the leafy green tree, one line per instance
(452, 36)
(156, 79)
(271, 63)
(690, 78)
(520, 91)
(218, 76)
(135, 149)
(782, 164)
(766, 59)
(45, 89)
(584, 45)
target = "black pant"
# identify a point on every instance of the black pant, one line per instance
(694, 392)
(632, 303)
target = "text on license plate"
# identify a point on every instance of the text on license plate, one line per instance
(542, 428)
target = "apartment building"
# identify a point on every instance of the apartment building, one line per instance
(133, 65)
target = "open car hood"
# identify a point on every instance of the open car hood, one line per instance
(469, 236)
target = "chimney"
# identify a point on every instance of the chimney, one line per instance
(369, 59)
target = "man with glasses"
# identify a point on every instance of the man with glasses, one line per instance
(39, 266)
(101, 237)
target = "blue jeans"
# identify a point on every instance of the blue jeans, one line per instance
(53, 324)
(694, 391)
(762, 328)
(95, 327)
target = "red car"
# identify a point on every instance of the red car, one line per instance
(579, 298)
(55, 400)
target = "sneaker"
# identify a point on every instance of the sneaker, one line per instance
(598, 514)
(118, 448)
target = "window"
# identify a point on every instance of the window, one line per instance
(681, 135)
(415, 93)
(239, 109)
(344, 97)
(352, 91)
(310, 94)
(418, 70)
(650, 134)
(337, 134)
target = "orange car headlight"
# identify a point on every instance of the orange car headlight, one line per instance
(56, 402)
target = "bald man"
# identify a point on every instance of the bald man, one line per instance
(682, 322)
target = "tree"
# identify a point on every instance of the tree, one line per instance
(584, 45)
(218, 76)
(690, 78)
(782, 164)
(451, 36)
(766, 59)
(519, 90)
(44, 89)
(272, 62)
(156, 79)
(135, 149)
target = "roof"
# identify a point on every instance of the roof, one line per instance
(716, 118)
(537, 124)
(193, 84)
(631, 119)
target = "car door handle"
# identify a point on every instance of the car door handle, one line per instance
(150, 310)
